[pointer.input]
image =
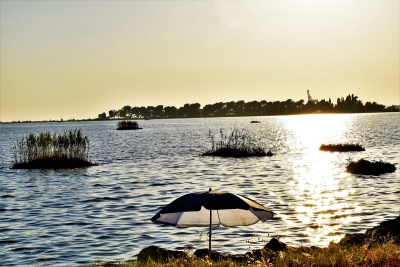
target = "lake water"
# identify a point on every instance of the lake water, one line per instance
(59, 218)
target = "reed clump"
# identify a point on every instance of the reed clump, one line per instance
(346, 147)
(239, 143)
(373, 167)
(128, 125)
(69, 149)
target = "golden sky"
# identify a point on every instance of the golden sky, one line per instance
(76, 59)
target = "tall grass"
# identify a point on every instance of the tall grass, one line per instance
(383, 255)
(66, 146)
(239, 143)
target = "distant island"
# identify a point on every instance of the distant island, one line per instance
(349, 104)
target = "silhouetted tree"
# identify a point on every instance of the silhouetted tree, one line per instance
(122, 113)
(208, 111)
(373, 107)
(136, 112)
(111, 113)
(189, 110)
(127, 111)
(143, 112)
(158, 111)
(102, 116)
(254, 108)
(171, 112)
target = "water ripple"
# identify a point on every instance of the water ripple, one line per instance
(75, 217)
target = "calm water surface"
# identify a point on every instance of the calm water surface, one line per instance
(59, 218)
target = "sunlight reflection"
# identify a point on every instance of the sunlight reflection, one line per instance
(322, 194)
(310, 131)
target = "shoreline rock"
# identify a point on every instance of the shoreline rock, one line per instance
(269, 251)
(158, 254)
(386, 231)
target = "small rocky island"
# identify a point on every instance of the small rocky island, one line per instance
(373, 167)
(239, 143)
(128, 125)
(66, 150)
(341, 147)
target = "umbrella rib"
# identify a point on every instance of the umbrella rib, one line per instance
(219, 219)
(177, 221)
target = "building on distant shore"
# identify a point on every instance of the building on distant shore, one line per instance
(310, 98)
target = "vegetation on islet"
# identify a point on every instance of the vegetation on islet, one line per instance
(128, 125)
(345, 147)
(372, 167)
(69, 149)
(239, 143)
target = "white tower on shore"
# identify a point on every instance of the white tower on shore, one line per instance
(310, 98)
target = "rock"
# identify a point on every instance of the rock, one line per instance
(392, 225)
(158, 254)
(215, 255)
(353, 239)
(370, 167)
(378, 234)
(397, 239)
(275, 245)
(385, 231)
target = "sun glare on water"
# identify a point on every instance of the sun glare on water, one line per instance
(310, 131)
(319, 184)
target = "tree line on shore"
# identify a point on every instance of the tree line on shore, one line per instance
(350, 104)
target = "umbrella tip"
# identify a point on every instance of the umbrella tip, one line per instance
(209, 190)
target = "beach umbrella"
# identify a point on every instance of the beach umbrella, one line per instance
(212, 208)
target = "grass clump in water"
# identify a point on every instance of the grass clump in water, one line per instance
(341, 147)
(240, 143)
(370, 167)
(66, 150)
(128, 125)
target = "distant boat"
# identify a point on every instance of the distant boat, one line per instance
(255, 122)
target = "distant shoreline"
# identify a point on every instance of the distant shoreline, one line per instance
(163, 118)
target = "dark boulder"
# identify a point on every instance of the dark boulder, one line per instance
(158, 254)
(275, 245)
(386, 230)
(392, 225)
(370, 167)
(353, 240)
(215, 255)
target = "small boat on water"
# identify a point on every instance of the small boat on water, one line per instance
(255, 122)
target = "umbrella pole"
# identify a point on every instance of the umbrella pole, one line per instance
(209, 238)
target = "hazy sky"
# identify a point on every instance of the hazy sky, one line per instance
(76, 59)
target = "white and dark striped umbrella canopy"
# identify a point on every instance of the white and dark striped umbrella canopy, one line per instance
(226, 208)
